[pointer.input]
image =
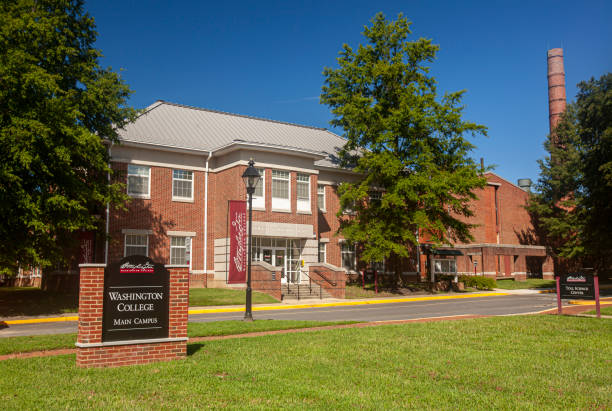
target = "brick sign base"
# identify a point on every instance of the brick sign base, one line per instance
(92, 352)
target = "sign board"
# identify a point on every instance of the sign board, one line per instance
(136, 300)
(578, 286)
(238, 235)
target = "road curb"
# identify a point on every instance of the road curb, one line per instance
(284, 307)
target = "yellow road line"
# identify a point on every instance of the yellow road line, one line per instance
(590, 302)
(281, 307)
(41, 320)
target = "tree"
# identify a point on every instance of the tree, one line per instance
(56, 104)
(403, 141)
(572, 205)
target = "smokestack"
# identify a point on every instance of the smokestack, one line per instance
(556, 87)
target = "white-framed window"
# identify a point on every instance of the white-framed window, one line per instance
(281, 190)
(180, 250)
(321, 197)
(139, 181)
(136, 244)
(259, 196)
(303, 192)
(322, 252)
(445, 266)
(182, 185)
(349, 258)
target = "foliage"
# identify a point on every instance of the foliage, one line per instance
(478, 281)
(56, 104)
(406, 144)
(572, 208)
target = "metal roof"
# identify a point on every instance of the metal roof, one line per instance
(173, 125)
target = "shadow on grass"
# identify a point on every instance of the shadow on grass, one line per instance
(194, 348)
(17, 301)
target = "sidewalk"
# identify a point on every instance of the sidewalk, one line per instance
(329, 302)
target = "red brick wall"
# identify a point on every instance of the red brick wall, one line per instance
(317, 272)
(266, 278)
(513, 219)
(329, 225)
(90, 324)
(160, 214)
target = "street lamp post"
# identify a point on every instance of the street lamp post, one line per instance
(251, 178)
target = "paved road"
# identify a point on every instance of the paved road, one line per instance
(500, 305)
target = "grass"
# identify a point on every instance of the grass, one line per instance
(357, 291)
(15, 301)
(602, 311)
(199, 297)
(530, 362)
(29, 301)
(529, 283)
(12, 345)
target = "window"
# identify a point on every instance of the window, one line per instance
(303, 192)
(179, 250)
(321, 197)
(445, 266)
(348, 256)
(139, 181)
(259, 199)
(136, 244)
(280, 190)
(259, 188)
(322, 252)
(182, 185)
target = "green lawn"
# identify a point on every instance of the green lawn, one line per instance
(222, 296)
(602, 311)
(34, 301)
(529, 283)
(530, 362)
(51, 342)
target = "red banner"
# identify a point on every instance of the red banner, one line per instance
(238, 235)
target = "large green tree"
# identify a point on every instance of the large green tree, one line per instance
(572, 206)
(56, 104)
(404, 141)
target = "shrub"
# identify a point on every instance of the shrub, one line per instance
(478, 282)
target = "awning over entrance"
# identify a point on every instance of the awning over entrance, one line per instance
(282, 230)
(446, 252)
(440, 251)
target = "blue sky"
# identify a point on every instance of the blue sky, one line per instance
(265, 58)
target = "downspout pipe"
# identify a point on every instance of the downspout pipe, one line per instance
(206, 213)
(107, 209)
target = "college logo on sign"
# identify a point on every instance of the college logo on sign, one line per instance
(128, 267)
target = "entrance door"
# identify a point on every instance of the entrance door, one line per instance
(276, 257)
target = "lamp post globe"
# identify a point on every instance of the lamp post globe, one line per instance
(251, 178)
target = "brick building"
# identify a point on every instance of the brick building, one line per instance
(503, 241)
(181, 165)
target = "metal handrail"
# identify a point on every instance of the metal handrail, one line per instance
(324, 278)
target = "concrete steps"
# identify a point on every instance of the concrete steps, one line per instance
(302, 292)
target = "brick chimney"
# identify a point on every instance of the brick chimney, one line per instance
(556, 87)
